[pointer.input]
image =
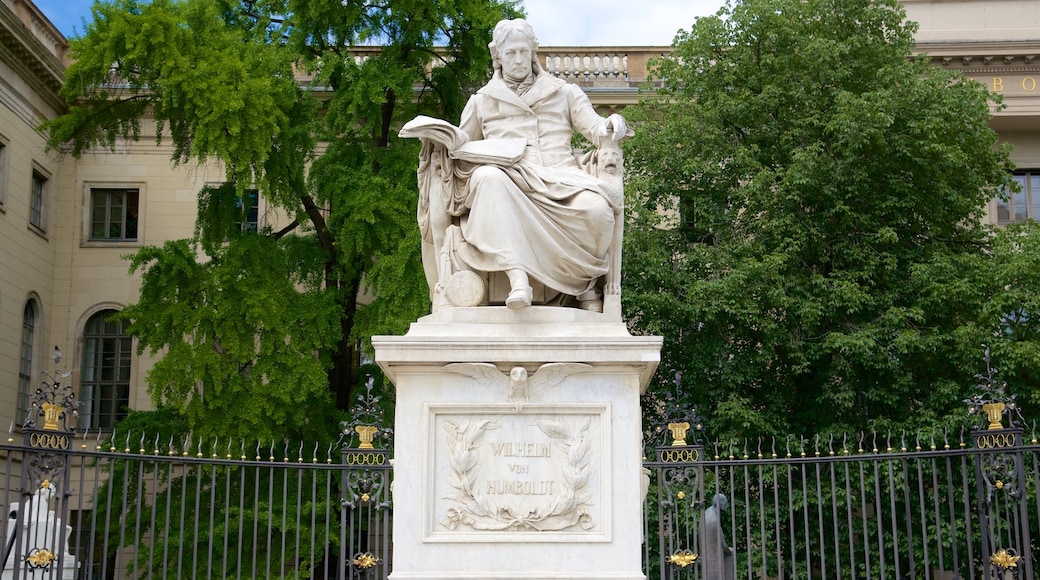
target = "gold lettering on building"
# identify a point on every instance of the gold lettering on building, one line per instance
(1027, 84)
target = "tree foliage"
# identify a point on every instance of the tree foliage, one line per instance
(300, 100)
(808, 224)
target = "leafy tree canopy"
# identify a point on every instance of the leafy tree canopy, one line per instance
(260, 329)
(807, 235)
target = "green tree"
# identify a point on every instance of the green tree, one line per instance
(260, 330)
(1000, 286)
(800, 180)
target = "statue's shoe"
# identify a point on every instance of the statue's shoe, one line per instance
(594, 305)
(591, 301)
(519, 298)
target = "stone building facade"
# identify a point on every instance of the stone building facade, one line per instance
(66, 223)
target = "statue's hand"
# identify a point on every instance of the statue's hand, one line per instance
(616, 127)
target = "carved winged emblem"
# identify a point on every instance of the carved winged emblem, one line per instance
(519, 383)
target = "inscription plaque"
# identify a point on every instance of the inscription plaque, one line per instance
(497, 471)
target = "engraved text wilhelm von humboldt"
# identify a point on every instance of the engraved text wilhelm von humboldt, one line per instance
(521, 450)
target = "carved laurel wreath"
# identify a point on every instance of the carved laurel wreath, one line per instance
(569, 508)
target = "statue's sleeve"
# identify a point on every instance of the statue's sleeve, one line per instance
(470, 123)
(584, 117)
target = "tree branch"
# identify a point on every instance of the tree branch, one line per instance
(285, 231)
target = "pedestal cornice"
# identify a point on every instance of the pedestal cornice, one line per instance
(508, 338)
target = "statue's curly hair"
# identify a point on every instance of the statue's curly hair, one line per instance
(507, 28)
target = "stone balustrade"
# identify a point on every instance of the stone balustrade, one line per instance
(606, 66)
(586, 67)
(600, 66)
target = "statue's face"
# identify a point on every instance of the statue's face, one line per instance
(609, 159)
(515, 56)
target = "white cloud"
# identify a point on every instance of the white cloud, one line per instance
(614, 22)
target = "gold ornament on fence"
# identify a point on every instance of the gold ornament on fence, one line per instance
(994, 412)
(365, 561)
(51, 414)
(678, 432)
(682, 558)
(41, 558)
(366, 433)
(1004, 559)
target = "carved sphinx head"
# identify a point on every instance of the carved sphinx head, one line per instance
(609, 159)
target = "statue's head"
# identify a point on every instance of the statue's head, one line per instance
(720, 502)
(513, 33)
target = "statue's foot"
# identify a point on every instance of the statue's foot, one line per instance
(591, 301)
(519, 298)
(594, 305)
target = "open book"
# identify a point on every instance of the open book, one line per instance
(482, 152)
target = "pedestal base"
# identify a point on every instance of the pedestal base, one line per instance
(518, 444)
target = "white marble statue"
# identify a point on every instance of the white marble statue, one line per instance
(39, 535)
(505, 193)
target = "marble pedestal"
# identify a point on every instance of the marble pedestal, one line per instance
(38, 537)
(517, 444)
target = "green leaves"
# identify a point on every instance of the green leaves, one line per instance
(221, 91)
(810, 169)
(299, 101)
(241, 334)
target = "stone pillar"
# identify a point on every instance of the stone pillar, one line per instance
(517, 444)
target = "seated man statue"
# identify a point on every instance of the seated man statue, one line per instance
(505, 193)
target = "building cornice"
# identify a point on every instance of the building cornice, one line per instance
(41, 69)
(984, 57)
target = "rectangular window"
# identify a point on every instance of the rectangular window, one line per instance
(114, 214)
(232, 213)
(250, 208)
(1023, 205)
(37, 199)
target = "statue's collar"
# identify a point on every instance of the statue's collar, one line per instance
(543, 86)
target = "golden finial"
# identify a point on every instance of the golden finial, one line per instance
(678, 432)
(366, 433)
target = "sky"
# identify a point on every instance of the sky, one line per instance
(555, 22)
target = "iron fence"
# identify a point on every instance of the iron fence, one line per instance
(967, 510)
(80, 509)
(83, 509)
(870, 507)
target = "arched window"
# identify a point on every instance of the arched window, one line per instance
(25, 366)
(105, 380)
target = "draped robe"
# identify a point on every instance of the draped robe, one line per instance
(544, 214)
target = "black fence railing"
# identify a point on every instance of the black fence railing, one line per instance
(967, 511)
(87, 510)
(83, 510)
(870, 507)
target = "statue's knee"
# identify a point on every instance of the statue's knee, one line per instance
(487, 174)
(597, 207)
